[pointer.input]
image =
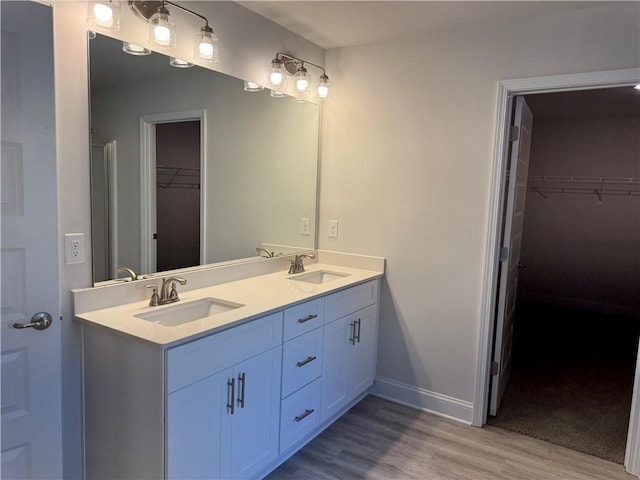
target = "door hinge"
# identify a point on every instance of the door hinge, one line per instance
(494, 368)
(514, 134)
(504, 254)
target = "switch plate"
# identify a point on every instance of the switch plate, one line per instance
(74, 248)
(305, 228)
(333, 229)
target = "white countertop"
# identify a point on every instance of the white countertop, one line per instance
(260, 295)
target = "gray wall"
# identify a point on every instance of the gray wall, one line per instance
(420, 113)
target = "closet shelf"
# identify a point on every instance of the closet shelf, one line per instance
(177, 177)
(598, 186)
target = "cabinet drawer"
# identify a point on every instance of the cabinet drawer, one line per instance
(347, 301)
(301, 361)
(189, 363)
(300, 415)
(303, 318)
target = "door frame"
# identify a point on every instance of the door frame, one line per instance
(507, 89)
(148, 182)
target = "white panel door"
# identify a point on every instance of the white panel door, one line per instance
(31, 359)
(512, 241)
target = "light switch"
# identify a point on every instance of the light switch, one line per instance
(333, 229)
(304, 226)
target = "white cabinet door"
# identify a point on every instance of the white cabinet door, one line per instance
(361, 363)
(349, 359)
(256, 419)
(334, 368)
(198, 427)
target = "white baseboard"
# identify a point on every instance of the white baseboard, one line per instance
(422, 399)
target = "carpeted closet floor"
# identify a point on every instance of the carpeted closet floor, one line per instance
(572, 379)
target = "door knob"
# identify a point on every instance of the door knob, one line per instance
(521, 265)
(39, 321)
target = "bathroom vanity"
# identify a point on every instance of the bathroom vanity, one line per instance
(236, 392)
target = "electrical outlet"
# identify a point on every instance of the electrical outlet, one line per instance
(333, 229)
(305, 228)
(74, 248)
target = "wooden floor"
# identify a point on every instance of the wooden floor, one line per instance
(378, 439)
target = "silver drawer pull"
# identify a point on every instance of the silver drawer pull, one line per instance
(306, 413)
(307, 318)
(305, 361)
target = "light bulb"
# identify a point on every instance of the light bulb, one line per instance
(276, 78)
(162, 29)
(103, 14)
(162, 35)
(302, 80)
(206, 45)
(637, 87)
(323, 86)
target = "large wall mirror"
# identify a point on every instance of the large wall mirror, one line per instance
(189, 169)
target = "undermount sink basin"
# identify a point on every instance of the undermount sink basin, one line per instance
(319, 276)
(186, 312)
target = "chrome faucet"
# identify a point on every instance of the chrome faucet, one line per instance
(168, 291)
(297, 265)
(128, 271)
(267, 253)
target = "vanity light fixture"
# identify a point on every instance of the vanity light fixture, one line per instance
(162, 28)
(133, 49)
(637, 87)
(283, 64)
(277, 94)
(104, 14)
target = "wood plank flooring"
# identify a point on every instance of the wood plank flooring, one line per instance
(379, 439)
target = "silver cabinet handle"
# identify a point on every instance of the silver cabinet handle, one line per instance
(307, 318)
(241, 383)
(304, 415)
(231, 391)
(302, 363)
(39, 321)
(352, 334)
(358, 325)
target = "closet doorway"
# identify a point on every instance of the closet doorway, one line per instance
(173, 208)
(565, 358)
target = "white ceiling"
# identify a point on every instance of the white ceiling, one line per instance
(335, 24)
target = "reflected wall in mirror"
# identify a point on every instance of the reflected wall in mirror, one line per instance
(190, 169)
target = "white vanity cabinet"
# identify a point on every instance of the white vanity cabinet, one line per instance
(349, 346)
(212, 411)
(233, 404)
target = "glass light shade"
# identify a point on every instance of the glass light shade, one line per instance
(178, 63)
(277, 77)
(323, 86)
(162, 29)
(277, 94)
(302, 80)
(252, 87)
(637, 87)
(104, 14)
(206, 45)
(133, 49)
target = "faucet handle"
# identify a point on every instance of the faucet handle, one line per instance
(153, 302)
